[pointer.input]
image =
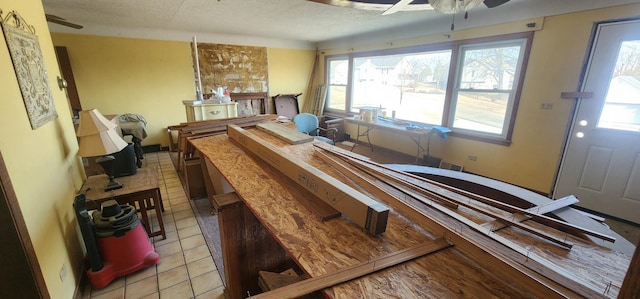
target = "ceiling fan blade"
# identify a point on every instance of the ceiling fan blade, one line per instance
(397, 7)
(355, 4)
(61, 21)
(494, 3)
(380, 5)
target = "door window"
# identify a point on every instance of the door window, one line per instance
(621, 109)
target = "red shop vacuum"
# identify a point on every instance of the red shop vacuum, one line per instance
(116, 242)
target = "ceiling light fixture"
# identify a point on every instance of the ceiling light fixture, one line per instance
(454, 6)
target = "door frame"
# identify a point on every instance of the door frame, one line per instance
(20, 229)
(67, 73)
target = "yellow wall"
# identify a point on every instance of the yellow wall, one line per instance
(153, 77)
(290, 72)
(125, 75)
(43, 164)
(558, 51)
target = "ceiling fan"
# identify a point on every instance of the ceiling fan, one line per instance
(393, 6)
(61, 21)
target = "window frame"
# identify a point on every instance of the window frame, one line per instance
(348, 86)
(455, 47)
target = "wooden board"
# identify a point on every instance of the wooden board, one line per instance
(362, 210)
(288, 134)
(318, 283)
(270, 281)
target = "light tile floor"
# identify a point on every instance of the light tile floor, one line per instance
(186, 268)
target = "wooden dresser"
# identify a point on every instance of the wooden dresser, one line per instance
(201, 110)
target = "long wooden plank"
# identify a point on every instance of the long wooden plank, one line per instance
(497, 225)
(405, 187)
(233, 120)
(548, 221)
(464, 241)
(462, 202)
(431, 184)
(362, 210)
(523, 256)
(541, 209)
(343, 275)
(554, 205)
(288, 134)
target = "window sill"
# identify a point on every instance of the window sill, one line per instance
(487, 139)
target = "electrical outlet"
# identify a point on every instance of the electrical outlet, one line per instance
(63, 272)
(85, 162)
(546, 106)
(473, 158)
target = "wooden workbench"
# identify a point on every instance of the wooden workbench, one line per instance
(273, 230)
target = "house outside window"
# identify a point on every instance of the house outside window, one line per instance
(483, 97)
(621, 109)
(470, 86)
(413, 85)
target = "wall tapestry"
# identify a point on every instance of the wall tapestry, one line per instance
(240, 68)
(30, 70)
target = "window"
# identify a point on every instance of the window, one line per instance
(338, 72)
(470, 86)
(484, 94)
(621, 110)
(413, 85)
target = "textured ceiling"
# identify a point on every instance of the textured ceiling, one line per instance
(273, 22)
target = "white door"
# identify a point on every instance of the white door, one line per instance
(601, 164)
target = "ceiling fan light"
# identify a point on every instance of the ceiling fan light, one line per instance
(454, 6)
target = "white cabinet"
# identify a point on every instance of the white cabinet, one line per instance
(201, 110)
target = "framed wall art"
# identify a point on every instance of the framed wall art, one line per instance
(28, 64)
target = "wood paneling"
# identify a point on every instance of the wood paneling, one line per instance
(21, 276)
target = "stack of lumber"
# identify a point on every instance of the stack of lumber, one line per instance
(198, 129)
(439, 241)
(188, 165)
(419, 193)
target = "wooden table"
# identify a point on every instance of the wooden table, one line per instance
(139, 190)
(269, 228)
